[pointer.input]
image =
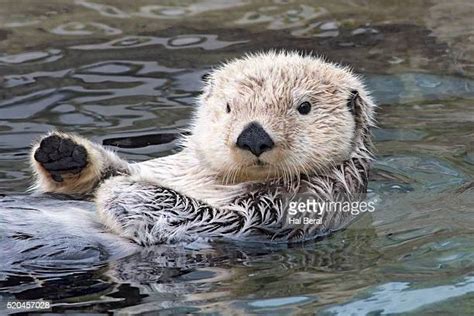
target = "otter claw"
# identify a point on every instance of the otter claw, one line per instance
(61, 155)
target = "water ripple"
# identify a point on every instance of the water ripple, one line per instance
(207, 42)
(40, 57)
(103, 9)
(398, 297)
(82, 29)
(126, 75)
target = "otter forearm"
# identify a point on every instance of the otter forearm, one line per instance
(149, 214)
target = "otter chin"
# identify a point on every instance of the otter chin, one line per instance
(269, 128)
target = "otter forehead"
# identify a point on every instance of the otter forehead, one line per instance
(268, 69)
(279, 79)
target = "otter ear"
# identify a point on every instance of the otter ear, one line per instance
(352, 103)
(361, 107)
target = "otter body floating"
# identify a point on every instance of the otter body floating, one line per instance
(269, 128)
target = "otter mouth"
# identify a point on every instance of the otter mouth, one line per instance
(259, 163)
(259, 166)
(257, 170)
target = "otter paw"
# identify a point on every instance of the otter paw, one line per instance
(60, 155)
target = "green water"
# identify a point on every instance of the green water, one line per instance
(125, 73)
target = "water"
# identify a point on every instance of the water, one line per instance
(126, 74)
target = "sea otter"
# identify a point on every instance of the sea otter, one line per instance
(269, 128)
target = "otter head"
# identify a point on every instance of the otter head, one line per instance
(279, 114)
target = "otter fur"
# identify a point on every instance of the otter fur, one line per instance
(268, 129)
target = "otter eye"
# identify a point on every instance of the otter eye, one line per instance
(227, 109)
(304, 108)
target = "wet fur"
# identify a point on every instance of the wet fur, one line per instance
(211, 189)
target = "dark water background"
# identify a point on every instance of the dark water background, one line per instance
(126, 73)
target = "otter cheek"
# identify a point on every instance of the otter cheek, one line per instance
(237, 159)
(274, 157)
(214, 116)
(348, 137)
(323, 148)
(208, 136)
(342, 145)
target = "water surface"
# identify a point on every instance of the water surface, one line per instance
(125, 73)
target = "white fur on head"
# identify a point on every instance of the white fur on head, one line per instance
(267, 88)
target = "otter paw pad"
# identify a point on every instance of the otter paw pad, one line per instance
(61, 155)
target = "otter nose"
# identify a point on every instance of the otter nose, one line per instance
(255, 139)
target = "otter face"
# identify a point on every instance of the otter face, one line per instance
(278, 115)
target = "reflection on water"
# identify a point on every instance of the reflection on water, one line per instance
(126, 75)
(396, 297)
